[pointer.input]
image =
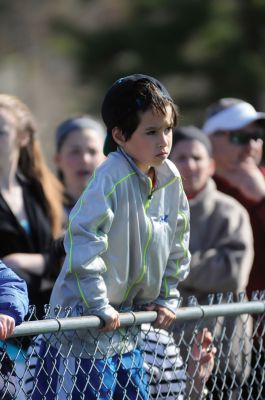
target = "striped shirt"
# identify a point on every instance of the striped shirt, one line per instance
(164, 365)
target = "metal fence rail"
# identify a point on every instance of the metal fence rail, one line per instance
(68, 358)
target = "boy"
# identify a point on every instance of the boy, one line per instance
(127, 241)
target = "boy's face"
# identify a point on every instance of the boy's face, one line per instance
(151, 142)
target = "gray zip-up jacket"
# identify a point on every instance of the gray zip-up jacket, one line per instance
(126, 245)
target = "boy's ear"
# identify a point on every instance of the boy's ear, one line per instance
(118, 136)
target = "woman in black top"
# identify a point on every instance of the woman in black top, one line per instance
(31, 214)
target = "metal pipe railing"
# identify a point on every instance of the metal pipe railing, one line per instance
(32, 328)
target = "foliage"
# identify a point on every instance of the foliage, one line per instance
(215, 44)
(200, 49)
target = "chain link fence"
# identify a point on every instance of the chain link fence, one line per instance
(66, 357)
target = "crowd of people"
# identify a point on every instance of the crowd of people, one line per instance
(143, 214)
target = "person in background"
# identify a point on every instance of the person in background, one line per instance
(236, 131)
(79, 150)
(115, 258)
(221, 247)
(31, 211)
(13, 309)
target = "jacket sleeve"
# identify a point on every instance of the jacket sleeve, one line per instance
(13, 294)
(177, 268)
(226, 265)
(85, 241)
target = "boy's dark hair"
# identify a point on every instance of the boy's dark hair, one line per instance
(126, 98)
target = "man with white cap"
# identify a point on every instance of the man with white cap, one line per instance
(236, 131)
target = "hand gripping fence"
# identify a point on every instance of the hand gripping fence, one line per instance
(66, 357)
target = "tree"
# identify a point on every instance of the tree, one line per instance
(201, 50)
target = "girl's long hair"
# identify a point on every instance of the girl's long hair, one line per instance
(32, 164)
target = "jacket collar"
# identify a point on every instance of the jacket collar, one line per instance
(164, 173)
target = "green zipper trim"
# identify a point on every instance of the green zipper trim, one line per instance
(83, 297)
(167, 184)
(119, 182)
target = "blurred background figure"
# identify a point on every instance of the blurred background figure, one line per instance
(79, 150)
(221, 246)
(236, 131)
(30, 202)
(79, 144)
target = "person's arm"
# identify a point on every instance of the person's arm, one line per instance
(226, 265)
(25, 264)
(13, 296)
(46, 264)
(200, 364)
(86, 240)
(249, 180)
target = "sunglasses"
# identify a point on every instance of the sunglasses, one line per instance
(243, 137)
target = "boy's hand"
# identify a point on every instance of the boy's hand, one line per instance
(7, 326)
(112, 323)
(165, 317)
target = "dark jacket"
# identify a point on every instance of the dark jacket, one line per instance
(14, 239)
(257, 218)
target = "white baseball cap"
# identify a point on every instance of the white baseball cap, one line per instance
(236, 116)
